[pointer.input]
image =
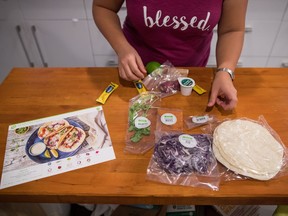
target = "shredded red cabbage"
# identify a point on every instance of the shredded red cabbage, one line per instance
(175, 158)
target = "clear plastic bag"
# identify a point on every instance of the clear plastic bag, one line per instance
(169, 120)
(165, 79)
(142, 116)
(248, 149)
(184, 159)
(199, 120)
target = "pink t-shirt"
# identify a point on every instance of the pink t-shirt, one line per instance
(177, 31)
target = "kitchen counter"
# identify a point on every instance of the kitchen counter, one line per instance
(33, 93)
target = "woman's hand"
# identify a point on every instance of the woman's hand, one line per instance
(131, 67)
(130, 64)
(223, 92)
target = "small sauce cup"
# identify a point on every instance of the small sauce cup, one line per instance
(37, 148)
(186, 85)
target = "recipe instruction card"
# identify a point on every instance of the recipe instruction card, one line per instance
(54, 145)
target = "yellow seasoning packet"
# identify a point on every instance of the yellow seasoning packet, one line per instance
(108, 91)
(140, 86)
(199, 90)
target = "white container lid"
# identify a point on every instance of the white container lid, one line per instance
(186, 85)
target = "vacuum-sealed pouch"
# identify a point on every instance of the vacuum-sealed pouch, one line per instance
(165, 79)
(169, 120)
(199, 120)
(142, 115)
(184, 159)
(249, 149)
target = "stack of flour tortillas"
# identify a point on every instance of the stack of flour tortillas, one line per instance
(247, 148)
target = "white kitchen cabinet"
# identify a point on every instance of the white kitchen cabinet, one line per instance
(61, 31)
(12, 53)
(259, 41)
(263, 10)
(88, 8)
(278, 62)
(61, 43)
(279, 54)
(265, 18)
(280, 48)
(248, 61)
(106, 60)
(54, 34)
(242, 62)
(9, 10)
(285, 18)
(52, 9)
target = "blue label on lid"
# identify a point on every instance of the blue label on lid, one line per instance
(187, 82)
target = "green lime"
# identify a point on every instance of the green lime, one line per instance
(151, 66)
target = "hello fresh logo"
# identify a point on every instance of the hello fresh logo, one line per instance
(187, 140)
(168, 119)
(142, 122)
(12, 127)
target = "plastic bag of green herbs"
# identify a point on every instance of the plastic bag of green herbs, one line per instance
(142, 118)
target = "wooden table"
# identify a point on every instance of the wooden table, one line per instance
(29, 94)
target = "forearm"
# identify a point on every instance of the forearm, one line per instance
(109, 24)
(223, 92)
(130, 64)
(231, 30)
(228, 49)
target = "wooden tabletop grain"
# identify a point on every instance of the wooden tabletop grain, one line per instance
(32, 93)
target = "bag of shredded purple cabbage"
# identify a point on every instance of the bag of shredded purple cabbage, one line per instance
(184, 159)
(165, 79)
(142, 117)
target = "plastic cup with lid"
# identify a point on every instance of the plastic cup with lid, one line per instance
(186, 85)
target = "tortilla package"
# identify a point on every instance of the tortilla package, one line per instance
(251, 149)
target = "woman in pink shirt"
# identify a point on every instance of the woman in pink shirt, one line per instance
(180, 32)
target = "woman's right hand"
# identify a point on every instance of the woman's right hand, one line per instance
(131, 67)
(130, 64)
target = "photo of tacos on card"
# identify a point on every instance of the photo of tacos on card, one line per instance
(55, 140)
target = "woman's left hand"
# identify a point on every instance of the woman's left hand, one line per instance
(223, 92)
